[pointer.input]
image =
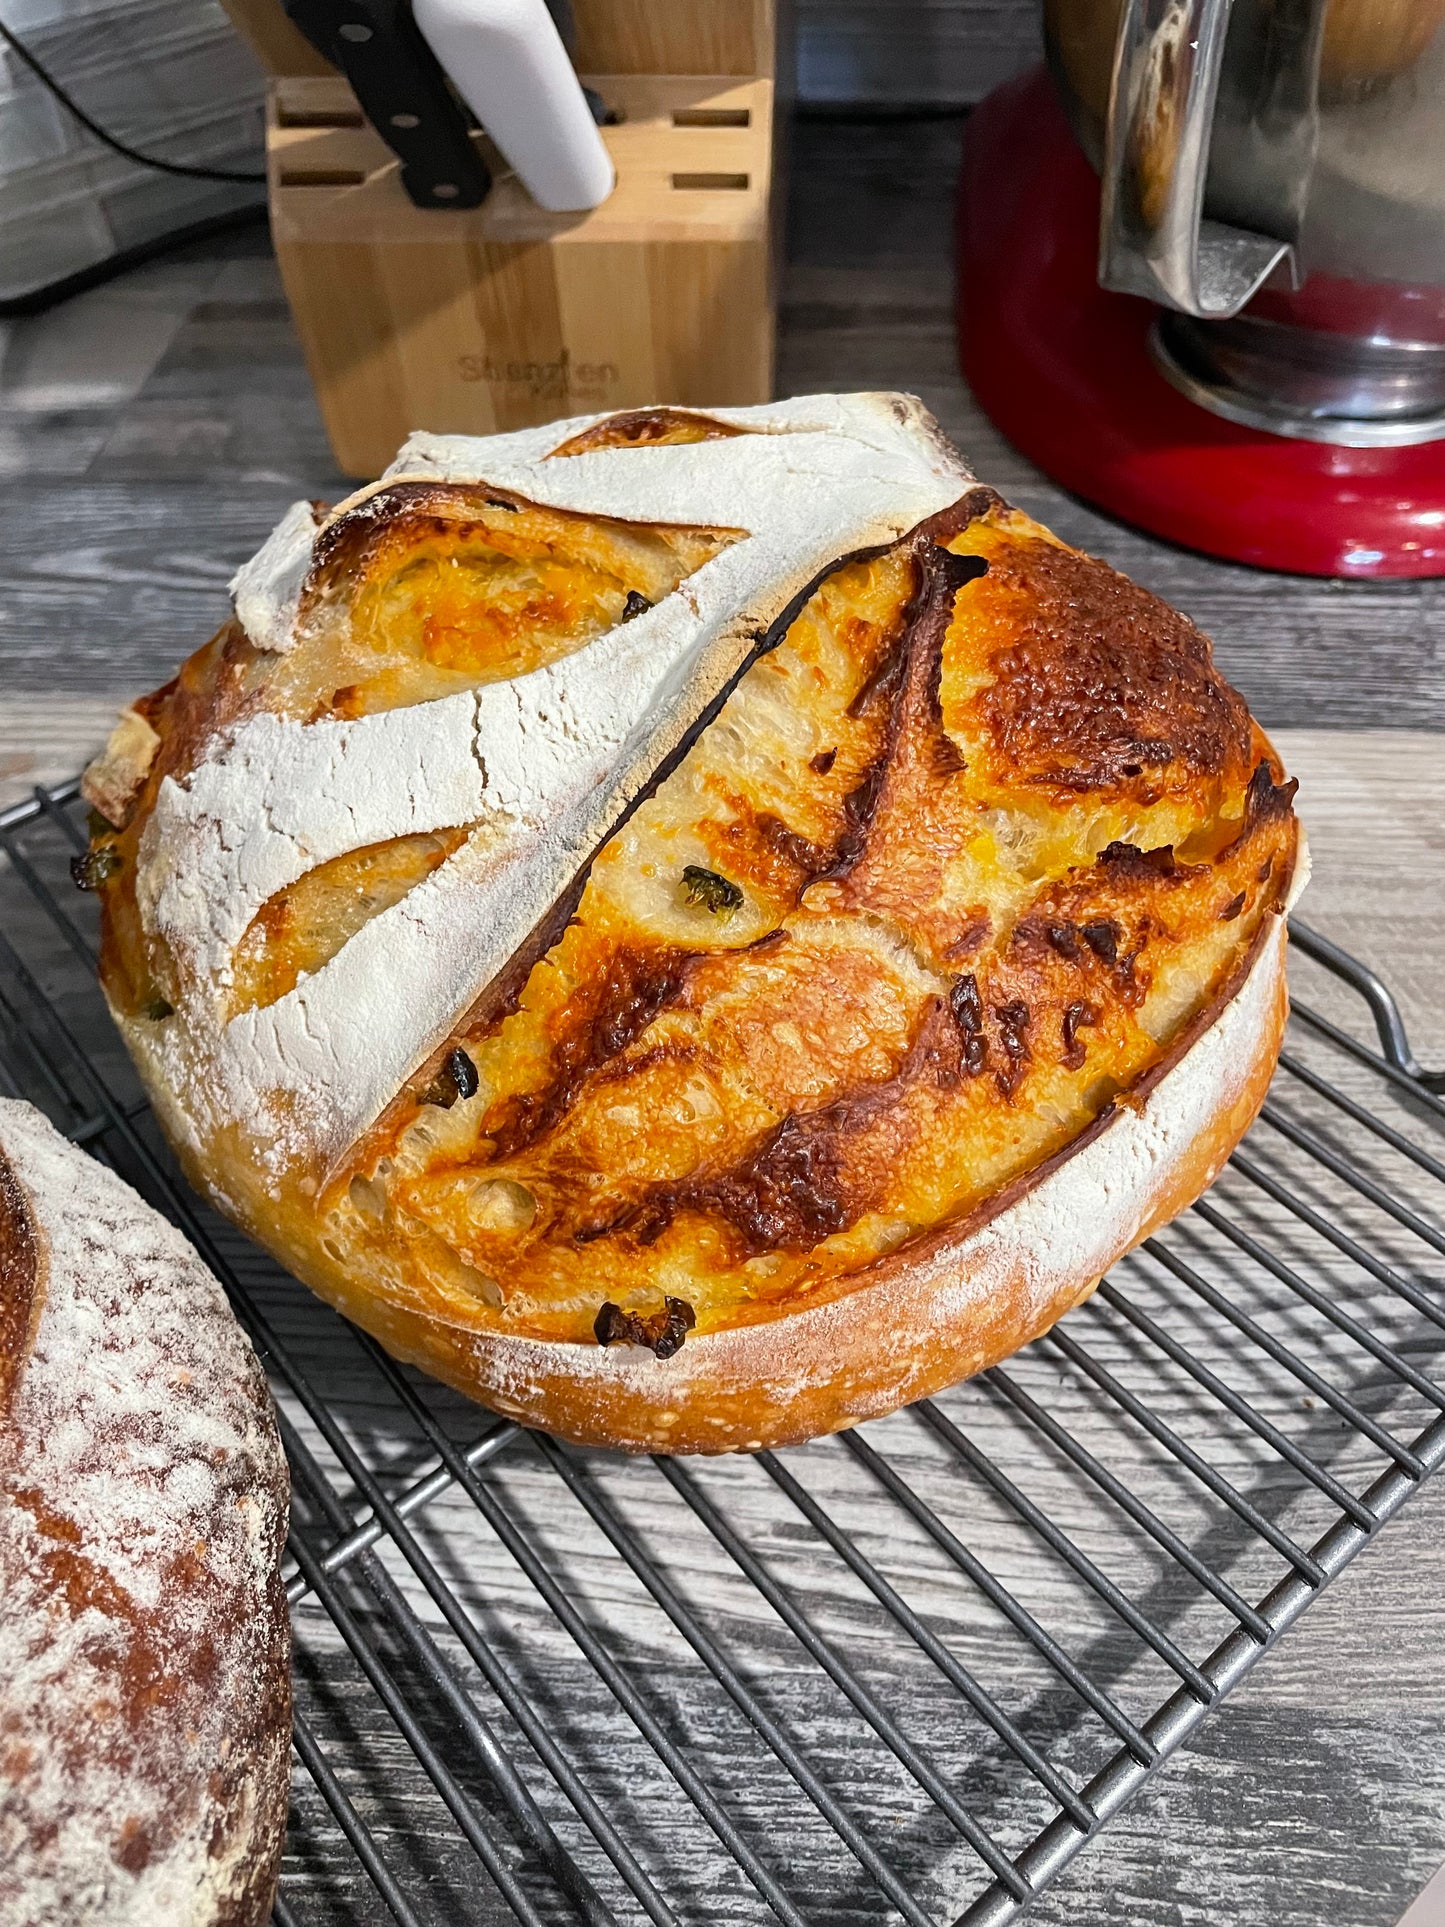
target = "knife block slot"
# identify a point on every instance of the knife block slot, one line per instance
(711, 117)
(292, 116)
(479, 320)
(321, 177)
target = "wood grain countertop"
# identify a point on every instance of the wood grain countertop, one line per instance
(151, 432)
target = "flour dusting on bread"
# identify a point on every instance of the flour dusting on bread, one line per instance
(143, 1698)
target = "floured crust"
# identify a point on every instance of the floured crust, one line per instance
(568, 979)
(145, 1694)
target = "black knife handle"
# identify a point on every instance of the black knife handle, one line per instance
(403, 93)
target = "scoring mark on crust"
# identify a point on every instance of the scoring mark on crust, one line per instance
(647, 428)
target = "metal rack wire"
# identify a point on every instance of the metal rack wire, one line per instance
(906, 1672)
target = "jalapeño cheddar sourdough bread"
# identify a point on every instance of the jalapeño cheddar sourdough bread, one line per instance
(696, 928)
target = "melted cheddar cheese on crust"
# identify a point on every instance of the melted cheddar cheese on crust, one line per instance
(958, 861)
(999, 830)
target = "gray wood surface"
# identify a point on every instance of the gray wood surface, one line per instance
(149, 435)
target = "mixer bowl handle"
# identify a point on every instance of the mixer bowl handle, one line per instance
(1154, 239)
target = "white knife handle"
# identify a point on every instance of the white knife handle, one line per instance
(506, 60)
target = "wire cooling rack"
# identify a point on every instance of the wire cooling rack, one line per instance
(906, 1672)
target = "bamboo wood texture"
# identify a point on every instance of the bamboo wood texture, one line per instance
(496, 317)
(611, 36)
(472, 321)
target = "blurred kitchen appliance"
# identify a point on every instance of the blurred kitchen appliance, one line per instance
(1227, 323)
(478, 312)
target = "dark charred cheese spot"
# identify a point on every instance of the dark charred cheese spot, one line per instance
(785, 1195)
(966, 1004)
(966, 1007)
(1076, 1017)
(1266, 801)
(1013, 1020)
(636, 604)
(662, 1332)
(598, 1023)
(1129, 860)
(881, 684)
(823, 761)
(1232, 909)
(798, 852)
(959, 570)
(1097, 686)
(1103, 938)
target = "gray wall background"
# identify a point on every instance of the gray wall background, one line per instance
(904, 53)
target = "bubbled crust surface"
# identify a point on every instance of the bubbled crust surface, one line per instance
(145, 1692)
(1000, 852)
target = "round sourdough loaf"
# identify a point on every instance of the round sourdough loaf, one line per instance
(696, 928)
(145, 1690)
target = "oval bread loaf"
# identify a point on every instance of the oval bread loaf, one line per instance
(145, 1687)
(696, 928)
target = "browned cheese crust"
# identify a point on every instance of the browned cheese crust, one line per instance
(145, 1689)
(975, 854)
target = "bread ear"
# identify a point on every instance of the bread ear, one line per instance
(23, 1265)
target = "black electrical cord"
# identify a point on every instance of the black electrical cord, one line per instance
(16, 307)
(48, 80)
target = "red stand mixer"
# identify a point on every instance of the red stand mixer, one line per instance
(1202, 274)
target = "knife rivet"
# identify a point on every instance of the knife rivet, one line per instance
(446, 190)
(353, 30)
(406, 120)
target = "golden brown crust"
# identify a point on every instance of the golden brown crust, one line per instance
(1098, 688)
(977, 840)
(916, 1322)
(115, 779)
(647, 428)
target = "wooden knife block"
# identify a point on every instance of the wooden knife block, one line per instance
(497, 317)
